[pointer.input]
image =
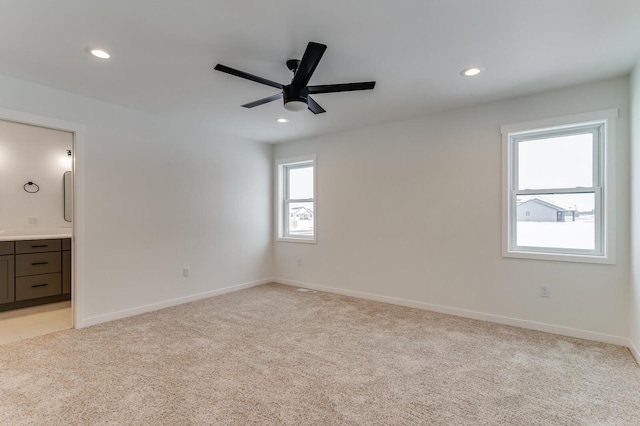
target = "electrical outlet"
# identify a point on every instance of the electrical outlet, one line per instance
(32, 220)
(299, 261)
(545, 291)
(185, 271)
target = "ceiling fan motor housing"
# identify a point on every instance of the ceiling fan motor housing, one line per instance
(295, 98)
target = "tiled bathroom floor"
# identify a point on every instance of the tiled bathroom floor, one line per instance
(35, 321)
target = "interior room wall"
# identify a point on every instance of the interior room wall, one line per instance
(634, 291)
(158, 196)
(32, 154)
(410, 212)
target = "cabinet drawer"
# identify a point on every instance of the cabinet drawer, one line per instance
(37, 246)
(38, 286)
(6, 247)
(37, 263)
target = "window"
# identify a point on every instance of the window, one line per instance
(296, 199)
(557, 197)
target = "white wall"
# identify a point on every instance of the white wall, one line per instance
(415, 240)
(39, 155)
(156, 196)
(634, 291)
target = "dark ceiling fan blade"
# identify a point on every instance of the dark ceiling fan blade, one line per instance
(248, 76)
(263, 101)
(348, 87)
(314, 107)
(308, 64)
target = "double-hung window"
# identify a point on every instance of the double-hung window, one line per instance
(295, 191)
(558, 193)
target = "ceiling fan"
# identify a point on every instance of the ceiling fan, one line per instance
(296, 94)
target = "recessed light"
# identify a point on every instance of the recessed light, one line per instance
(282, 120)
(470, 72)
(99, 53)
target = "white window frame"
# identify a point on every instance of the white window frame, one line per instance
(603, 185)
(281, 182)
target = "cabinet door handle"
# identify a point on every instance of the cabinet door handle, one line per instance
(40, 246)
(39, 263)
(39, 285)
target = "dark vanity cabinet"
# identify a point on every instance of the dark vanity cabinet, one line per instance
(7, 275)
(66, 266)
(34, 272)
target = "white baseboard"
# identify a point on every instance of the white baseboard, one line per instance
(634, 351)
(532, 325)
(165, 304)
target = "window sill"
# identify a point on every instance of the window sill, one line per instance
(296, 240)
(560, 257)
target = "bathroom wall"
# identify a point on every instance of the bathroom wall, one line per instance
(32, 154)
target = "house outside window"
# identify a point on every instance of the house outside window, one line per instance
(558, 192)
(295, 201)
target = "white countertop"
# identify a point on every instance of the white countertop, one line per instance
(34, 234)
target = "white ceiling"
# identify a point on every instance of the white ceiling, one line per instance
(163, 53)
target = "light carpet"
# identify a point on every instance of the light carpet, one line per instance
(273, 356)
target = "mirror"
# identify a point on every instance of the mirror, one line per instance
(68, 196)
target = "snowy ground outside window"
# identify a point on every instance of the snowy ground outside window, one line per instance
(571, 235)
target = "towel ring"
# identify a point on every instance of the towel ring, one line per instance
(31, 184)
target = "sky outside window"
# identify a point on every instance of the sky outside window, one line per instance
(558, 162)
(301, 183)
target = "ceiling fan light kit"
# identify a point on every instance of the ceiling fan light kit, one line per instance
(295, 105)
(295, 99)
(296, 94)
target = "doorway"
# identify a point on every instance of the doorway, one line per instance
(38, 225)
